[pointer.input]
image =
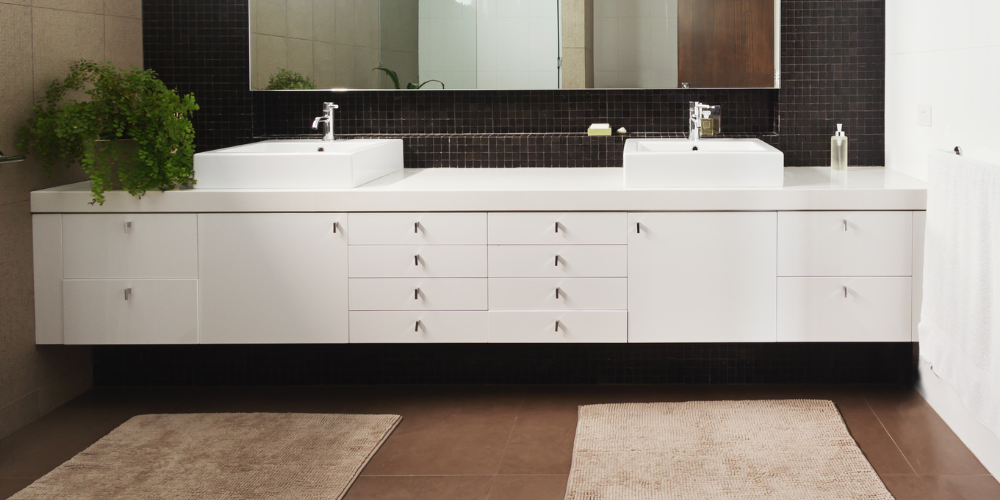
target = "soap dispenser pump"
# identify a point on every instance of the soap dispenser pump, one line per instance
(838, 150)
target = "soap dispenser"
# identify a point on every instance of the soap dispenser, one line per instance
(838, 150)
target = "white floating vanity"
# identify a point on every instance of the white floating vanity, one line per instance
(485, 255)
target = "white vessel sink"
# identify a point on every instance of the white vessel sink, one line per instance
(298, 164)
(665, 163)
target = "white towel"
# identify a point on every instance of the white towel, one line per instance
(960, 319)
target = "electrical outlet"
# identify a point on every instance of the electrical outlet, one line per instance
(924, 115)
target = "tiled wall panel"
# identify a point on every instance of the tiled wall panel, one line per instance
(833, 66)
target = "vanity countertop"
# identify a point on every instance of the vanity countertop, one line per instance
(518, 189)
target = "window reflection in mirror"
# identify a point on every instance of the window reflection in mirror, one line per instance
(513, 44)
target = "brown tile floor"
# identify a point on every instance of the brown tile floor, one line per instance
(507, 442)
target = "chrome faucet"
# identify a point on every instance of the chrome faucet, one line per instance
(327, 119)
(694, 120)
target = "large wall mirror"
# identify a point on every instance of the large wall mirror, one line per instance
(514, 44)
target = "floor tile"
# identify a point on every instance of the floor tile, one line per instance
(420, 488)
(450, 438)
(533, 487)
(905, 486)
(878, 447)
(925, 439)
(977, 487)
(11, 485)
(542, 440)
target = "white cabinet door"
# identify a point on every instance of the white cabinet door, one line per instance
(702, 277)
(845, 243)
(557, 228)
(844, 309)
(556, 327)
(131, 311)
(418, 327)
(273, 278)
(130, 245)
(558, 261)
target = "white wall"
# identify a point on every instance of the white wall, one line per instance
(944, 54)
(447, 43)
(518, 44)
(635, 43)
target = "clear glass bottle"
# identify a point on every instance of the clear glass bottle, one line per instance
(838, 150)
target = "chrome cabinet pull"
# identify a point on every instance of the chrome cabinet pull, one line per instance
(557, 260)
(845, 292)
(416, 227)
(557, 226)
(557, 325)
(845, 224)
(557, 292)
(128, 293)
(128, 227)
(416, 294)
(636, 228)
(416, 327)
(416, 260)
(334, 227)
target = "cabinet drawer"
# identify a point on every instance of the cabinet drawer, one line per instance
(541, 228)
(557, 261)
(845, 243)
(415, 327)
(418, 294)
(558, 326)
(155, 311)
(130, 246)
(558, 293)
(391, 261)
(418, 228)
(817, 310)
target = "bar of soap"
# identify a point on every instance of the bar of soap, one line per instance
(599, 129)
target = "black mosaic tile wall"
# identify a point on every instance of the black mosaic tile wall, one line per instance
(833, 68)
(217, 365)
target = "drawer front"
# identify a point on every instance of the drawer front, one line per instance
(418, 229)
(418, 327)
(558, 326)
(155, 312)
(817, 310)
(558, 261)
(545, 228)
(392, 261)
(418, 294)
(558, 293)
(130, 246)
(845, 243)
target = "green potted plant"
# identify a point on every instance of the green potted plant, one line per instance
(286, 79)
(124, 127)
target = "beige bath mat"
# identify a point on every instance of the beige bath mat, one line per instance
(221, 456)
(795, 449)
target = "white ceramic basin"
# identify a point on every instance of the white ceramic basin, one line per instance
(665, 163)
(298, 164)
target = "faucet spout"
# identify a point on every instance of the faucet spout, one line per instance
(326, 119)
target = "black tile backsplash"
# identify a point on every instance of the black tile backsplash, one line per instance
(331, 364)
(833, 71)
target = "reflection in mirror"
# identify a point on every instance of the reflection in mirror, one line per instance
(513, 44)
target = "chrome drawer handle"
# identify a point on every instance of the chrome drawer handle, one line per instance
(416, 227)
(416, 327)
(128, 293)
(636, 228)
(557, 260)
(416, 294)
(557, 227)
(557, 292)
(557, 325)
(845, 224)
(845, 292)
(416, 260)
(128, 227)
(334, 227)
